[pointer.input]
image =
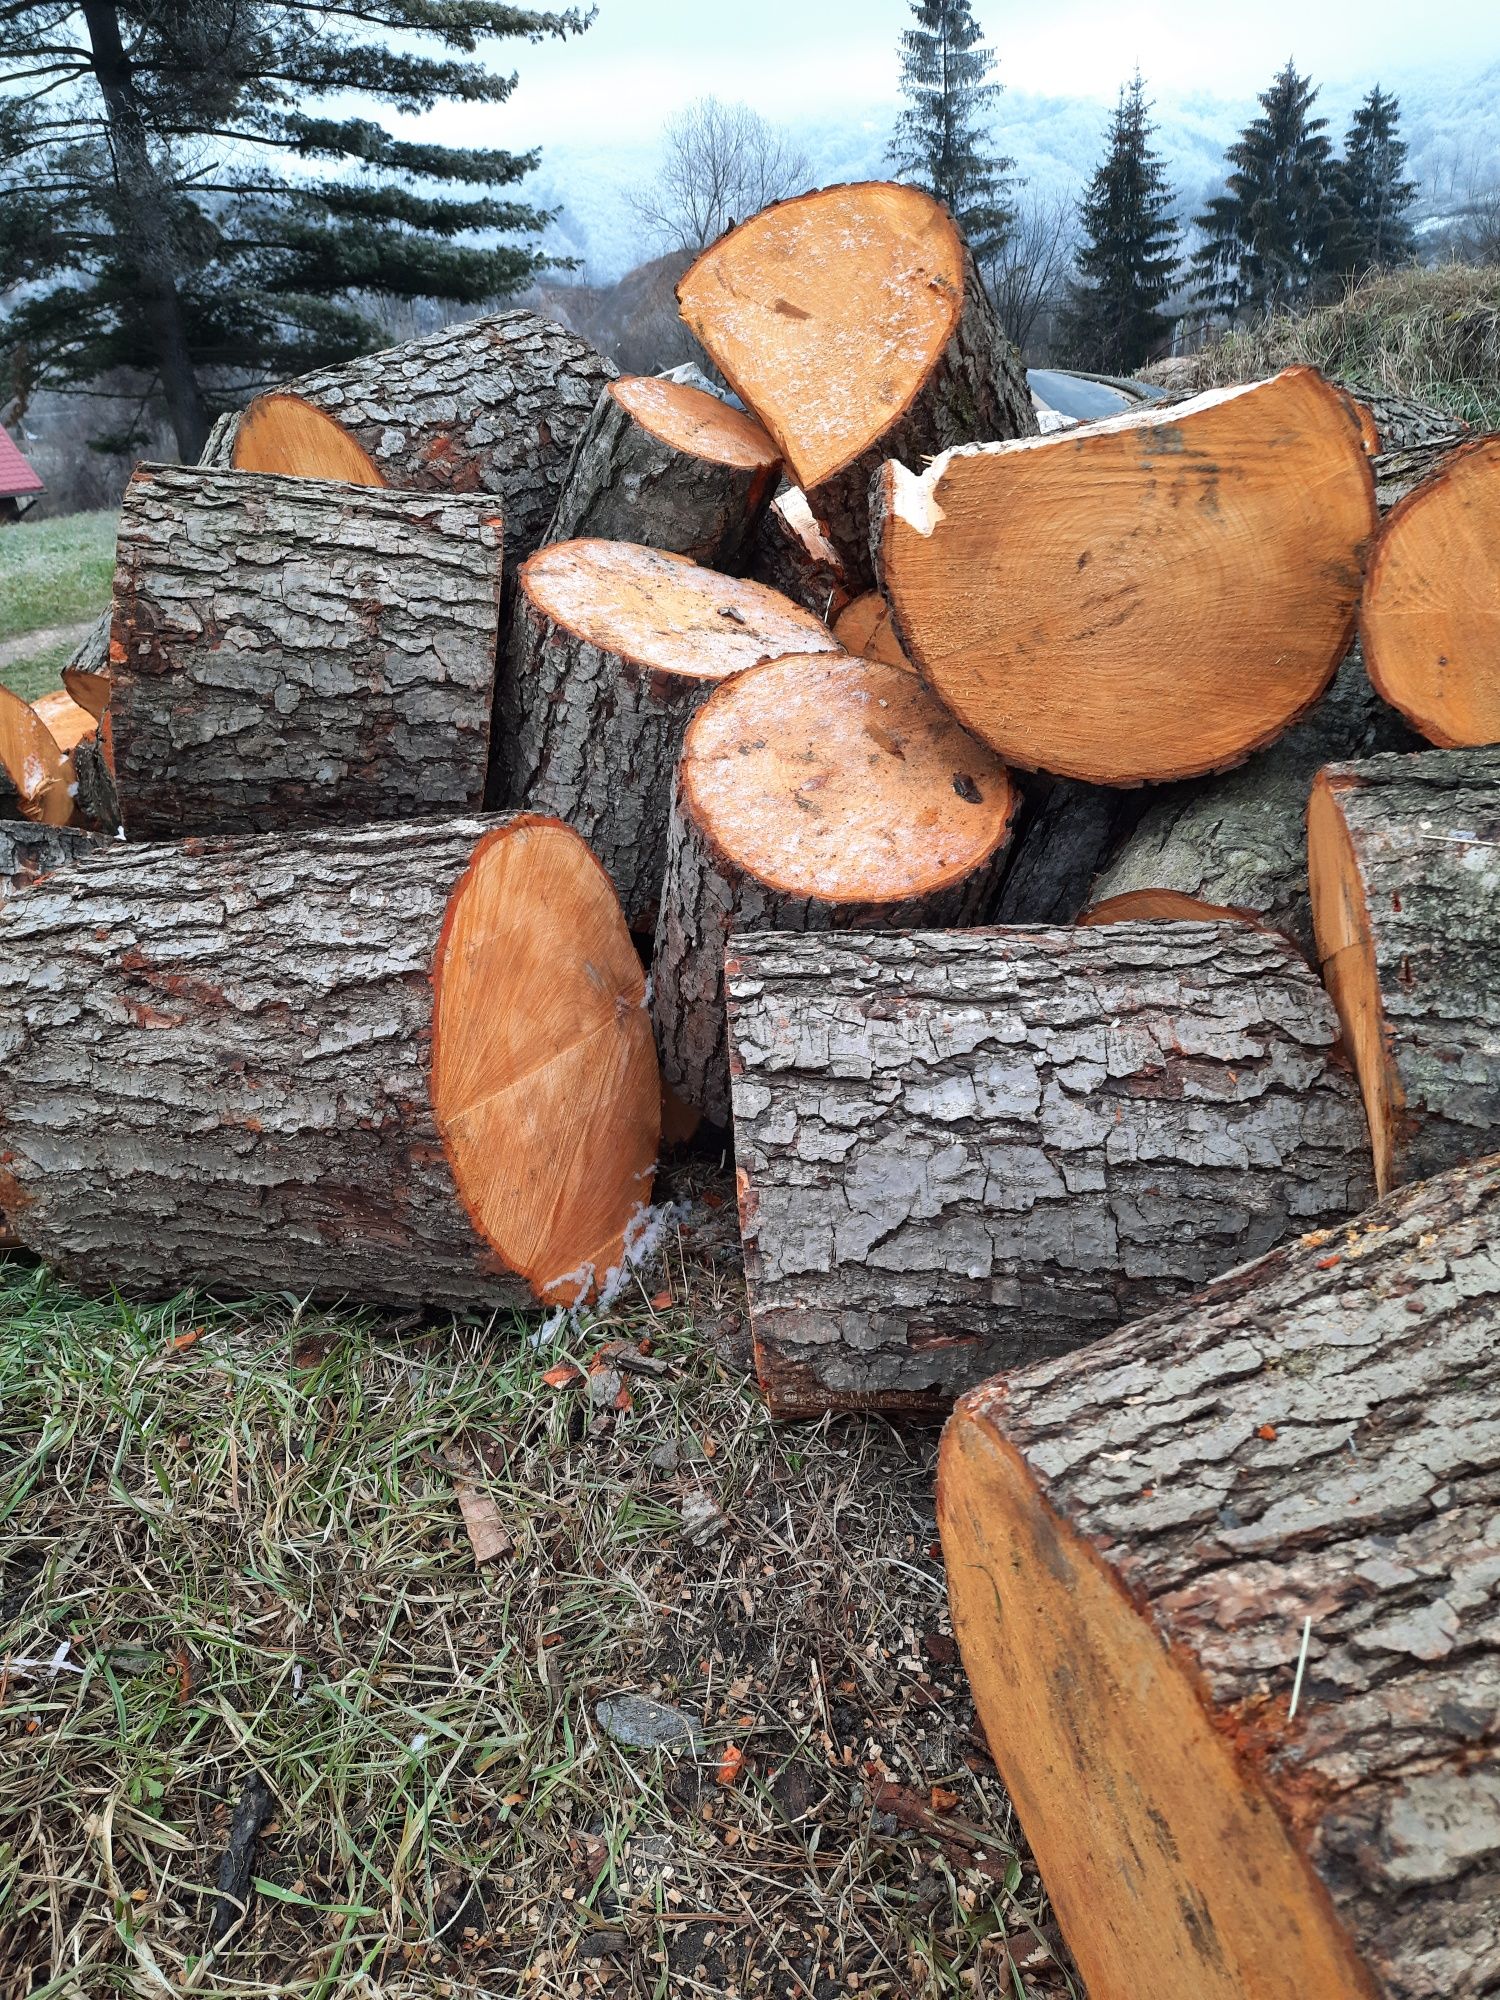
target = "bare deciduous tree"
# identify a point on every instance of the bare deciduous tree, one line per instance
(720, 163)
(1028, 276)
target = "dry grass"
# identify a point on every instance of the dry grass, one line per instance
(239, 1525)
(1433, 335)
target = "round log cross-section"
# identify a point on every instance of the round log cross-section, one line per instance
(671, 466)
(814, 794)
(1146, 598)
(613, 648)
(853, 322)
(410, 1063)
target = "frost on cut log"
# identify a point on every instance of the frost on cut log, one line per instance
(409, 1063)
(1236, 846)
(491, 406)
(671, 466)
(1137, 1538)
(613, 649)
(853, 322)
(294, 652)
(813, 794)
(791, 554)
(1404, 860)
(1429, 620)
(1147, 598)
(958, 1152)
(28, 852)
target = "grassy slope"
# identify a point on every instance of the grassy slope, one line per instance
(55, 572)
(249, 1544)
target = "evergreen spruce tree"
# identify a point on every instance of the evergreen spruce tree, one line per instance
(1266, 236)
(942, 139)
(1128, 258)
(1372, 199)
(179, 199)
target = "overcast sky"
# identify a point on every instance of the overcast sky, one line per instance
(794, 58)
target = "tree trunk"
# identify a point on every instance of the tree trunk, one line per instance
(408, 1064)
(613, 648)
(1404, 860)
(958, 1153)
(791, 554)
(669, 466)
(853, 322)
(1148, 598)
(1276, 1497)
(1068, 830)
(487, 406)
(813, 794)
(1236, 846)
(1427, 620)
(286, 653)
(29, 852)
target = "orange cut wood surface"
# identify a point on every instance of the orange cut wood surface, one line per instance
(843, 779)
(1147, 598)
(696, 423)
(1138, 906)
(827, 313)
(68, 721)
(1430, 617)
(282, 433)
(34, 761)
(864, 627)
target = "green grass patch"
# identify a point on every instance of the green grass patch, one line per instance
(55, 572)
(36, 673)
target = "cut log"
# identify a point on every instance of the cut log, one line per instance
(1223, 1584)
(1429, 620)
(864, 628)
(853, 322)
(67, 723)
(1236, 846)
(293, 652)
(813, 794)
(670, 466)
(1398, 472)
(1066, 832)
(613, 649)
(1404, 860)
(961, 1152)
(29, 852)
(36, 774)
(409, 1063)
(1402, 423)
(86, 677)
(791, 554)
(491, 406)
(1146, 598)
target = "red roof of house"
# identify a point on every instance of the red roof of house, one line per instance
(16, 476)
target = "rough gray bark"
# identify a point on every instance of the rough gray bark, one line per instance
(86, 676)
(214, 1069)
(961, 1152)
(1070, 828)
(1401, 422)
(1312, 1439)
(98, 801)
(790, 554)
(1398, 471)
(289, 652)
(1425, 833)
(626, 484)
(1239, 841)
(491, 405)
(28, 852)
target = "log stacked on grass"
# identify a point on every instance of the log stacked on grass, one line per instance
(668, 465)
(410, 1063)
(613, 649)
(1147, 598)
(36, 774)
(491, 405)
(1404, 860)
(962, 1151)
(28, 852)
(813, 794)
(290, 652)
(793, 555)
(1429, 620)
(864, 627)
(853, 322)
(1236, 846)
(1145, 1540)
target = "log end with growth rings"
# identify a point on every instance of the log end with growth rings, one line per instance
(281, 433)
(697, 424)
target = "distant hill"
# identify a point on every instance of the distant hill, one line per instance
(1451, 121)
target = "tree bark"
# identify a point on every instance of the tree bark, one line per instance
(286, 653)
(1404, 859)
(86, 676)
(1146, 1538)
(672, 467)
(794, 809)
(320, 1065)
(613, 649)
(490, 406)
(959, 1153)
(29, 852)
(1236, 845)
(792, 555)
(1069, 829)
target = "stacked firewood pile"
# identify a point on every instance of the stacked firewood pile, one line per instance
(995, 829)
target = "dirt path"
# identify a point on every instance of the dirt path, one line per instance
(13, 650)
